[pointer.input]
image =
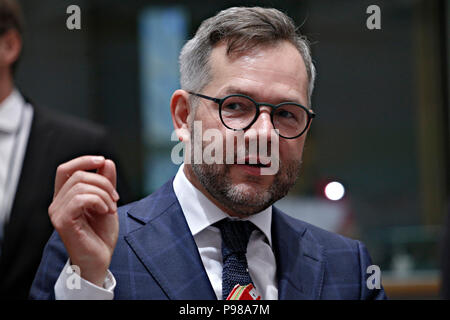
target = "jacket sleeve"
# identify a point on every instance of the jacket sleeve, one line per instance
(371, 286)
(53, 260)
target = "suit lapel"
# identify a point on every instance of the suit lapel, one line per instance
(300, 259)
(166, 247)
(36, 154)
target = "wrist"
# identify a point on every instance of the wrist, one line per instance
(93, 274)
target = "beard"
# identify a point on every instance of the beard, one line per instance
(244, 199)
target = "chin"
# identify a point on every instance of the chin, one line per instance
(248, 188)
(249, 194)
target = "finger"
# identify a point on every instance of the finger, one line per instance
(75, 207)
(65, 203)
(83, 188)
(85, 203)
(90, 204)
(65, 170)
(92, 179)
(109, 171)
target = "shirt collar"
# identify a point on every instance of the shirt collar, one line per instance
(200, 212)
(11, 111)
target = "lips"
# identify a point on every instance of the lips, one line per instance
(257, 165)
(253, 165)
(256, 162)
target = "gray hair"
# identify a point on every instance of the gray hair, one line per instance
(243, 28)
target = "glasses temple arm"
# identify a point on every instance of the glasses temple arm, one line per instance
(205, 97)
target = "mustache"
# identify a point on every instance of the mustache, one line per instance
(263, 156)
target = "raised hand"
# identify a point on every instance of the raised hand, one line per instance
(84, 213)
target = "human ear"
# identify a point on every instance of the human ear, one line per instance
(181, 111)
(10, 47)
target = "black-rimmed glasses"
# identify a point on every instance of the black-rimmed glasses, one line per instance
(239, 112)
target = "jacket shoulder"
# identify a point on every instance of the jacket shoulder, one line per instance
(67, 123)
(328, 239)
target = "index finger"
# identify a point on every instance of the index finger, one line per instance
(65, 170)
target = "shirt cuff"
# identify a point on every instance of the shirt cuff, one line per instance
(70, 286)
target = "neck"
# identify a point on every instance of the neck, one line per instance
(193, 179)
(6, 85)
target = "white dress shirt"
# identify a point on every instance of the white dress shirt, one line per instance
(201, 214)
(15, 124)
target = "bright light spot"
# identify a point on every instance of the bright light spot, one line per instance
(334, 191)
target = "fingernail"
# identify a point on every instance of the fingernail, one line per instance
(114, 207)
(98, 159)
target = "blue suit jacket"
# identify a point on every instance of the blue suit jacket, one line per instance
(156, 258)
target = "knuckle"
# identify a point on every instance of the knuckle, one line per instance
(78, 175)
(55, 218)
(82, 201)
(61, 169)
(78, 200)
(51, 210)
(78, 188)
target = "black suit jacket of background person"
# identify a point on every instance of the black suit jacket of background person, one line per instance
(53, 139)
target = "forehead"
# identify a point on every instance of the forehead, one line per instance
(272, 73)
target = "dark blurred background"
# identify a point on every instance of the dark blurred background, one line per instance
(381, 97)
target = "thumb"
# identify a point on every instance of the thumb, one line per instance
(109, 171)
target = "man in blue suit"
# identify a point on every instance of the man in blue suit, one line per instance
(245, 75)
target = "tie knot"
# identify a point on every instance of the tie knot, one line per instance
(235, 234)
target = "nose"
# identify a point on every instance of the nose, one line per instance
(263, 124)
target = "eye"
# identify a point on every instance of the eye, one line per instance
(238, 106)
(285, 114)
(234, 106)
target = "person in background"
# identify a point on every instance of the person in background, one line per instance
(33, 141)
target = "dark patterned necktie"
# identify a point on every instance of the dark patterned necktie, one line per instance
(235, 236)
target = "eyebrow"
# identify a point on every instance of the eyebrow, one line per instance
(236, 90)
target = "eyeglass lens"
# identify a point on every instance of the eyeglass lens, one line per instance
(239, 112)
